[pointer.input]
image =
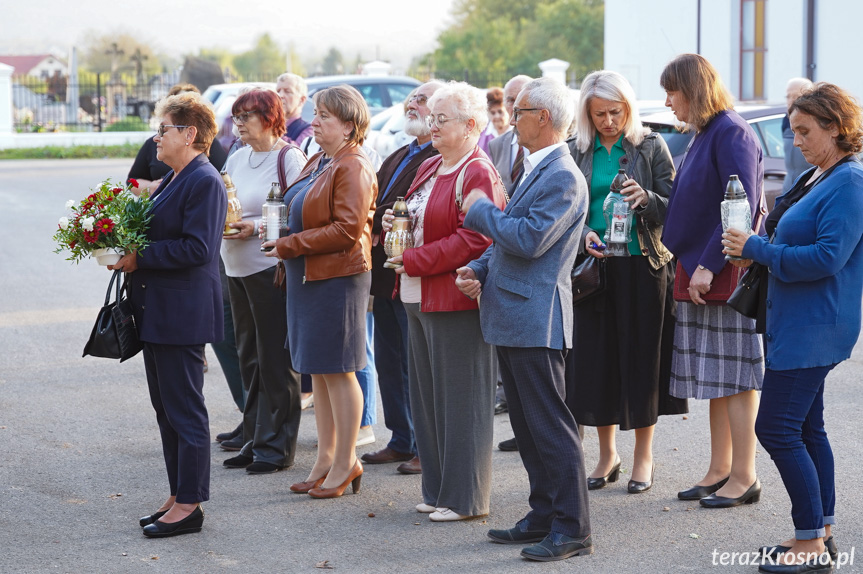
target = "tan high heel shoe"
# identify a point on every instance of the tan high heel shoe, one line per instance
(306, 486)
(354, 478)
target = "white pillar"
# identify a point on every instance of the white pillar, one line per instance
(554, 68)
(6, 99)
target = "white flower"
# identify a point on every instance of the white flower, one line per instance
(87, 223)
(64, 223)
(70, 204)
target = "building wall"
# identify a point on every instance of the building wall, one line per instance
(47, 67)
(641, 37)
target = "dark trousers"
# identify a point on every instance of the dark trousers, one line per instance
(547, 438)
(229, 360)
(175, 377)
(271, 419)
(790, 426)
(391, 362)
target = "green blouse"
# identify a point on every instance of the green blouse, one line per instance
(605, 166)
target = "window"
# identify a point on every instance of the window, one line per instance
(399, 92)
(752, 49)
(770, 133)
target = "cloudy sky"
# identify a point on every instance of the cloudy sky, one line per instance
(395, 29)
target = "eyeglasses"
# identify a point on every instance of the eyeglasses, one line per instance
(240, 119)
(438, 120)
(517, 111)
(420, 99)
(163, 128)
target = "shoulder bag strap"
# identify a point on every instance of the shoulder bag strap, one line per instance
(459, 182)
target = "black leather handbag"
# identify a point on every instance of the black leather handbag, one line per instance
(114, 335)
(588, 278)
(747, 295)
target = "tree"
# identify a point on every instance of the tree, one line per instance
(264, 61)
(333, 62)
(115, 52)
(499, 39)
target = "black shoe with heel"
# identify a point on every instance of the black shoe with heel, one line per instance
(774, 551)
(602, 481)
(145, 520)
(188, 525)
(751, 496)
(637, 487)
(699, 492)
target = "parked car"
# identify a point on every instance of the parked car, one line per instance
(765, 120)
(380, 92)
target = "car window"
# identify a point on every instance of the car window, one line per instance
(676, 140)
(399, 92)
(373, 94)
(770, 133)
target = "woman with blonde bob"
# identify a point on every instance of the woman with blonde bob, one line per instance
(619, 367)
(327, 257)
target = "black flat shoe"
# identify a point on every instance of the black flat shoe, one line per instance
(188, 525)
(775, 551)
(239, 461)
(699, 492)
(635, 487)
(752, 495)
(145, 520)
(519, 534)
(263, 468)
(508, 445)
(602, 481)
(557, 546)
(821, 565)
(223, 436)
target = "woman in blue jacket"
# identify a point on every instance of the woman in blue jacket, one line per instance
(815, 263)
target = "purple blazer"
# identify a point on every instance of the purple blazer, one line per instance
(693, 226)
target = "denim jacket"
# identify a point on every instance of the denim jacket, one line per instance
(654, 172)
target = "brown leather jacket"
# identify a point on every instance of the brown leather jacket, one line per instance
(337, 217)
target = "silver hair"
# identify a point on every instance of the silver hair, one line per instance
(469, 102)
(550, 94)
(611, 86)
(298, 82)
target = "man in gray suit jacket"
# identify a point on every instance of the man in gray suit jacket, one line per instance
(526, 311)
(504, 148)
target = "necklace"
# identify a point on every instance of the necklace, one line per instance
(265, 157)
(321, 168)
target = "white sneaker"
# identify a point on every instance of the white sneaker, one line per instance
(425, 508)
(446, 515)
(365, 436)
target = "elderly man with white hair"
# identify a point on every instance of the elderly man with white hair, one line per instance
(526, 313)
(795, 163)
(293, 92)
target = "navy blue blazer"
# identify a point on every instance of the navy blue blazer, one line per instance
(176, 293)
(525, 274)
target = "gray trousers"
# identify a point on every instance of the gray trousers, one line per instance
(271, 419)
(452, 374)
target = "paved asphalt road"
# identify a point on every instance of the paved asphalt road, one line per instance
(80, 457)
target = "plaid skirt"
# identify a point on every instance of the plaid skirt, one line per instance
(716, 353)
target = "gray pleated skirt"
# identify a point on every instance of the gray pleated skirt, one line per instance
(717, 353)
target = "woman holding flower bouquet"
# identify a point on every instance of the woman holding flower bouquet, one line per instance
(177, 301)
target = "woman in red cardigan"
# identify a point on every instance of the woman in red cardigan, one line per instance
(452, 372)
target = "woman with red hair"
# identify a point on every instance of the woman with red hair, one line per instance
(271, 418)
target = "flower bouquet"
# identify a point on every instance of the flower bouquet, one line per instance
(106, 224)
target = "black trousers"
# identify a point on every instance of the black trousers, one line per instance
(548, 439)
(175, 376)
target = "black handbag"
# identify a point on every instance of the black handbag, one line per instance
(588, 278)
(114, 335)
(746, 297)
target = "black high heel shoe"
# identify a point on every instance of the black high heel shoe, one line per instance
(752, 495)
(188, 525)
(636, 487)
(699, 492)
(145, 520)
(602, 481)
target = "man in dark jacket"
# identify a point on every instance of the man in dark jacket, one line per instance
(391, 330)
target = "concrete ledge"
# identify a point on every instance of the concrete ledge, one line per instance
(67, 139)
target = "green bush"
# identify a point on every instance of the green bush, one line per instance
(128, 150)
(130, 124)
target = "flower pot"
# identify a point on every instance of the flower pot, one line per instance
(107, 255)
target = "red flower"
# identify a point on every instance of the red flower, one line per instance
(91, 236)
(105, 225)
(133, 182)
(118, 190)
(72, 244)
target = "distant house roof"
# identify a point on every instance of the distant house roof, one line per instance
(23, 64)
